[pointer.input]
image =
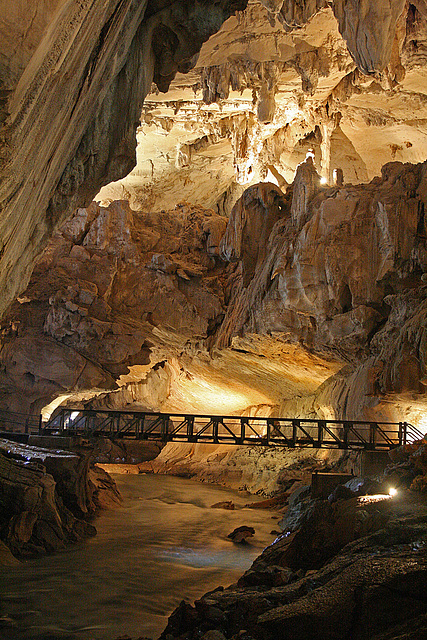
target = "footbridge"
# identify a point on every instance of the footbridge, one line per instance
(235, 430)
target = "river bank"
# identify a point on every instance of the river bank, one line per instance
(164, 543)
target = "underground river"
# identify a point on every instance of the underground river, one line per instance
(164, 544)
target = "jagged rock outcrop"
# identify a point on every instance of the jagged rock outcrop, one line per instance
(363, 580)
(347, 279)
(46, 496)
(121, 297)
(320, 311)
(73, 79)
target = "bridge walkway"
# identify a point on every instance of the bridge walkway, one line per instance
(235, 430)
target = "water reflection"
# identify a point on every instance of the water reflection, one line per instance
(163, 545)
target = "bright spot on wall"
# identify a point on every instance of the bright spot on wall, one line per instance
(214, 395)
(422, 424)
(323, 180)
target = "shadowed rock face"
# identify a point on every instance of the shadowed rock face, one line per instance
(371, 588)
(46, 496)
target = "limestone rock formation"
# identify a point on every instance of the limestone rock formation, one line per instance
(324, 284)
(346, 79)
(130, 300)
(323, 299)
(73, 79)
(46, 496)
(366, 586)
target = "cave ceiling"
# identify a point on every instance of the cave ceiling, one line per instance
(186, 284)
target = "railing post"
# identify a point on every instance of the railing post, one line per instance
(215, 424)
(241, 439)
(400, 434)
(40, 424)
(165, 428)
(62, 420)
(320, 427)
(372, 434)
(346, 429)
(267, 435)
(190, 427)
(405, 432)
(295, 427)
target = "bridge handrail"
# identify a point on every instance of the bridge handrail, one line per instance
(202, 427)
(209, 416)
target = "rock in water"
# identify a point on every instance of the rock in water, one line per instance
(240, 534)
(227, 504)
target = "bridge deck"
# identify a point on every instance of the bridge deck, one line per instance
(238, 430)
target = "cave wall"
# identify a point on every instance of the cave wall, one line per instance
(71, 100)
(307, 303)
(309, 293)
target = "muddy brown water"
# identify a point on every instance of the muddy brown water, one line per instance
(163, 545)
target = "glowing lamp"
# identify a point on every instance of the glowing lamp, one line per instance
(323, 180)
(392, 492)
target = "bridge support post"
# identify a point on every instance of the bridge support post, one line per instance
(320, 427)
(215, 424)
(190, 427)
(295, 427)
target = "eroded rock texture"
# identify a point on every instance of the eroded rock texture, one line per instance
(73, 79)
(308, 303)
(346, 79)
(46, 497)
(309, 299)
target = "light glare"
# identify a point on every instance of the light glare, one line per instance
(392, 491)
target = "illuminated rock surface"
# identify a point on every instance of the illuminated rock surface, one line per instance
(310, 303)
(322, 281)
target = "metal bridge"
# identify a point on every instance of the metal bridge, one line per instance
(237, 430)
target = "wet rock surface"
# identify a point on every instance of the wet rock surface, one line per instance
(240, 534)
(47, 498)
(369, 584)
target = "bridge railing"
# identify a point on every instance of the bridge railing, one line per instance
(290, 432)
(13, 422)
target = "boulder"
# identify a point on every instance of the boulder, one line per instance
(240, 534)
(226, 504)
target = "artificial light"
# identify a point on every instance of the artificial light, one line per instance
(392, 491)
(323, 180)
